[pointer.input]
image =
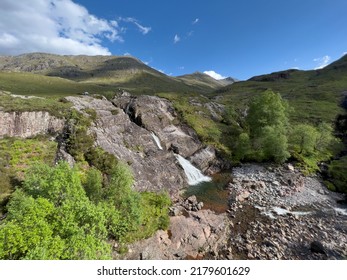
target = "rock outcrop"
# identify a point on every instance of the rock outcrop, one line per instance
(125, 127)
(158, 115)
(190, 236)
(28, 124)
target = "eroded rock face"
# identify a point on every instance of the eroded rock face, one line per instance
(158, 115)
(28, 124)
(124, 128)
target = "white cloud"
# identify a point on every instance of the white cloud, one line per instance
(176, 39)
(344, 53)
(196, 21)
(143, 29)
(322, 62)
(55, 26)
(214, 75)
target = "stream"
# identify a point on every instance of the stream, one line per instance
(213, 194)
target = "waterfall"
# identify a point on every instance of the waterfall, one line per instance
(156, 140)
(194, 175)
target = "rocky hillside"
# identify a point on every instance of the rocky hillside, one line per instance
(127, 127)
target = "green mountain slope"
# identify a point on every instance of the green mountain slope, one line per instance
(315, 95)
(106, 71)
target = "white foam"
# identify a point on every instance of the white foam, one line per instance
(193, 174)
(156, 140)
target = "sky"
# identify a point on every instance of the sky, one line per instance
(223, 38)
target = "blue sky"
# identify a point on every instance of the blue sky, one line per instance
(232, 38)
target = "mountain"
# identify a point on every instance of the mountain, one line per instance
(108, 72)
(315, 95)
(229, 81)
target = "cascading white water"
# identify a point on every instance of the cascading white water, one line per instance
(156, 140)
(194, 175)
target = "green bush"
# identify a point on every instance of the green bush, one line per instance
(338, 174)
(52, 218)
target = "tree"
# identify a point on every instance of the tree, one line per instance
(268, 122)
(267, 109)
(243, 147)
(27, 231)
(274, 144)
(124, 198)
(303, 139)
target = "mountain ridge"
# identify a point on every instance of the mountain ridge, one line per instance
(120, 71)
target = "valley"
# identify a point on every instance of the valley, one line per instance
(264, 160)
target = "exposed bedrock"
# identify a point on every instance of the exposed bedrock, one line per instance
(125, 128)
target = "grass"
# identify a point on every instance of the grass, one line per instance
(55, 106)
(16, 156)
(39, 85)
(315, 98)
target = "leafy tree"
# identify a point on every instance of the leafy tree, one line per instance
(53, 217)
(124, 198)
(55, 184)
(325, 139)
(303, 139)
(267, 109)
(274, 144)
(243, 147)
(28, 231)
(267, 121)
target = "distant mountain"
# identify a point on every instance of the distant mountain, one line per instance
(202, 79)
(229, 81)
(117, 71)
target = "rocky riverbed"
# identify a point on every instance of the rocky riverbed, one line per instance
(274, 213)
(277, 213)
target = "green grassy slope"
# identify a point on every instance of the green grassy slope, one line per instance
(33, 84)
(315, 95)
(104, 72)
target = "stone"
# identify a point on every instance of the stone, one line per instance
(290, 167)
(243, 196)
(192, 200)
(200, 205)
(317, 247)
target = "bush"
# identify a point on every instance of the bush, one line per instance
(52, 218)
(338, 174)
